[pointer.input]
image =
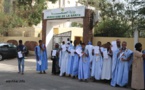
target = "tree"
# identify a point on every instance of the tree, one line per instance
(119, 16)
(1, 5)
(31, 11)
(25, 13)
(9, 21)
(135, 14)
(113, 21)
(111, 28)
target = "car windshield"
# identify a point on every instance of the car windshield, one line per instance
(11, 45)
(3, 45)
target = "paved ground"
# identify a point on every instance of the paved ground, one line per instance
(31, 80)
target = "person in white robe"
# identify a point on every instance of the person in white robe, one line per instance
(97, 62)
(116, 46)
(107, 62)
(64, 62)
(89, 47)
(61, 52)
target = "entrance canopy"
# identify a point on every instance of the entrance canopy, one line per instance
(64, 13)
(67, 14)
(54, 17)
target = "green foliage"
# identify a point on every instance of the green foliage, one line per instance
(29, 12)
(75, 24)
(120, 19)
(111, 28)
(113, 21)
(139, 6)
(9, 21)
(135, 14)
(32, 14)
(24, 13)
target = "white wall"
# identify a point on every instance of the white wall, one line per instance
(55, 24)
(49, 35)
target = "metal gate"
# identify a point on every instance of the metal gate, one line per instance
(61, 37)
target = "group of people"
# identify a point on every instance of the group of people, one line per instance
(113, 62)
(110, 61)
(41, 57)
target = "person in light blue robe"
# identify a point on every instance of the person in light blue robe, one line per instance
(70, 60)
(144, 64)
(41, 57)
(89, 48)
(84, 69)
(115, 63)
(124, 57)
(97, 63)
(76, 61)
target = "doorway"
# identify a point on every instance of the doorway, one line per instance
(78, 39)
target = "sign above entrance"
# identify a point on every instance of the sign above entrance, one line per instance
(70, 12)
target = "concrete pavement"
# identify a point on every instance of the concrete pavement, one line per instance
(31, 80)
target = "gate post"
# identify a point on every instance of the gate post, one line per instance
(44, 24)
(87, 27)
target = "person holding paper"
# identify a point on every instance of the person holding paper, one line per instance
(84, 69)
(107, 62)
(97, 62)
(138, 68)
(76, 60)
(125, 57)
(116, 48)
(55, 59)
(41, 57)
(21, 51)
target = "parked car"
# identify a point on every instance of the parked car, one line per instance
(7, 50)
